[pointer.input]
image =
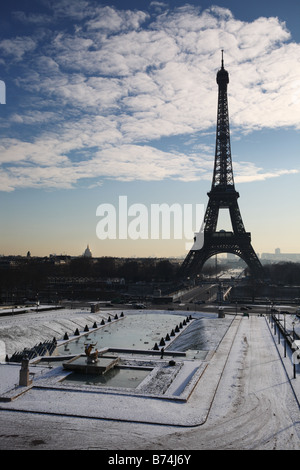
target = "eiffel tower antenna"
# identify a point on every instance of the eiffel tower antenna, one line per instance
(209, 241)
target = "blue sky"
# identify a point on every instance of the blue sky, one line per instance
(109, 99)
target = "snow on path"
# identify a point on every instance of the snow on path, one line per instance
(254, 406)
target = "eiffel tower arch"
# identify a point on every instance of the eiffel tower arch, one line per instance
(209, 241)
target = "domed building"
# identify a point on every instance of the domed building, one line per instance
(87, 253)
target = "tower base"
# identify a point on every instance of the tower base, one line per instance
(223, 242)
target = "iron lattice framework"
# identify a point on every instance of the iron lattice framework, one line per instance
(222, 195)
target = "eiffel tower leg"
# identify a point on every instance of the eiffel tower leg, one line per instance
(248, 254)
(193, 263)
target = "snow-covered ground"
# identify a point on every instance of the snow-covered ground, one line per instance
(240, 394)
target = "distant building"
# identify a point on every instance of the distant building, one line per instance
(87, 253)
(278, 256)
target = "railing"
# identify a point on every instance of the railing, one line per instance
(292, 339)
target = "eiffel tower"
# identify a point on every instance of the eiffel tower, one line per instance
(208, 241)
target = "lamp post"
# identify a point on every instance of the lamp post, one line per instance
(284, 313)
(269, 309)
(294, 363)
(293, 324)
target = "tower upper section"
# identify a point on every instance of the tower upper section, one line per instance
(222, 75)
(223, 174)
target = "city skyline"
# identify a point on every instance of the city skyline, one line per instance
(105, 101)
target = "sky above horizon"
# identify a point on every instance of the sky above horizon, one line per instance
(105, 102)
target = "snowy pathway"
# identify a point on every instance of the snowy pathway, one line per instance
(254, 406)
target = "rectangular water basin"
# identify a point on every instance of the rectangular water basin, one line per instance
(118, 377)
(135, 331)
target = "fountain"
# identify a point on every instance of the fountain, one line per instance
(92, 358)
(91, 362)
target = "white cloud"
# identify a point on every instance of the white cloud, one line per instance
(17, 47)
(33, 117)
(42, 165)
(112, 20)
(115, 82)
(246, 172)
